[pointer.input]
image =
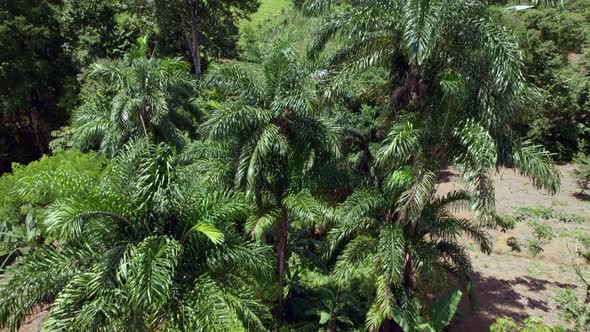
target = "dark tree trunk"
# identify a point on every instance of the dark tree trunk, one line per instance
(411, 89)
(35, 103)
(390, 325)
(331, 327)
(281, 259)
(407, 277)
(194, 40)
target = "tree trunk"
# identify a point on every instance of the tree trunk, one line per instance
(410, 90)
(37, 134)
(407, 277)
(390, 325)
(281, 258)
(194, 42)
(331, 327)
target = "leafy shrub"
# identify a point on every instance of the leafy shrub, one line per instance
(582, 171)
(506, 222)
(534, 247)
(513, 244)
(564, 28)
(541, 230)
(574, 311)
(532, 324)
(19, 214)
(525, 213)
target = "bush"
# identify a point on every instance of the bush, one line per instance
(582, 171)
(19, 226)
(532, 324)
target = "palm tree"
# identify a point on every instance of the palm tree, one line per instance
(138, 252)
(457, 89)
(283, 141)
(138, 96)
(409, 260)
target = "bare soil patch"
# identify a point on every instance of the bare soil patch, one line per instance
(516, 284)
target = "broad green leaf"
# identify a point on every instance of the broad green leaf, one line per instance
(214, 235)
(444, 308)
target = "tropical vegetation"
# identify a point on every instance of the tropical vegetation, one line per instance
(200, 172)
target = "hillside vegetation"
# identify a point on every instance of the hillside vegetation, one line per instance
(294, 165)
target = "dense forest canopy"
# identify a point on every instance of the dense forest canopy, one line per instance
(248, 165)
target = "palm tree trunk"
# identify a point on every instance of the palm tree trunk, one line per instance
(390, 325)
(410, 90)
(194, 43)
(331, 327)
(281, 258)
(407, 277)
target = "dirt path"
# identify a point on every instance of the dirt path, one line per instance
(517, 284)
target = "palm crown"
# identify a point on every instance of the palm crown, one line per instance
(135, 97)
(138, 252)
(282, 137)
(457, 88)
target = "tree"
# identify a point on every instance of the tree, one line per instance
(138, 96)
(35, 80)
(456, 91)
(408, 259)
(201, 26)
(457, 88)
(283, 140)
(95, 30)
(139, 252)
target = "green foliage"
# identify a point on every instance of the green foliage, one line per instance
(21, 214)
(218, 25)
(534, 247)
(97, 29)
(140, 96)
(36, 79)
(550, 38)
(542, 230)
(531, 324)
(574, 311)
(506, 222)
(326, 145)
(135, 244)
(582, 171)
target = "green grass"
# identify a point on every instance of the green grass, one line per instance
(269, 9)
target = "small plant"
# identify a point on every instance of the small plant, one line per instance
(506, 222)
(513, 244)
(532, 324)
(534, 247)
(570, 217)
(525, 213)
(573, 311)
(541, 230)
(582, 171)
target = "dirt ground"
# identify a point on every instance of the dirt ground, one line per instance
(510, 284)
(516, 284)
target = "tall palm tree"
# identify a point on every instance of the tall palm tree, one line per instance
(456, 88)
(282, 138)
(140, 95)
(138, 252)
(408, 260)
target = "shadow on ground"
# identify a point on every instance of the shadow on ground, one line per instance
(497, 298)
(582, 196)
